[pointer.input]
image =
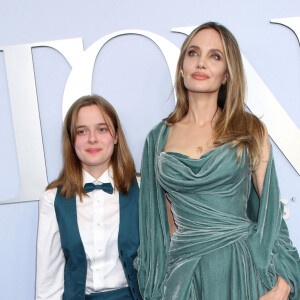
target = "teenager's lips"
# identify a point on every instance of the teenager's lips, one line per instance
(199, 76)
(93, 150)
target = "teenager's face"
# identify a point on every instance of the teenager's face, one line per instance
(204, 65)
(94, 144)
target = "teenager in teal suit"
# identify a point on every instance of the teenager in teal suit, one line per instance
(88, 218)
(211, 222)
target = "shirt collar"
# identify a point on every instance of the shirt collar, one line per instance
(106, 177)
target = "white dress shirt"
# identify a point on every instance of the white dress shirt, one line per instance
(98, 222)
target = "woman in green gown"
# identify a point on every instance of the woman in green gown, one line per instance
(211, 224)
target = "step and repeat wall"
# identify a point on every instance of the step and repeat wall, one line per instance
(53, 52)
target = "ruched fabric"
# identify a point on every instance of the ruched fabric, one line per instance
(229, 245)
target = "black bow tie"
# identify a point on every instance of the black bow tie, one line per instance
(106, 187)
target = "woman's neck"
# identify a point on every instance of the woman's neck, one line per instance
(203, 108)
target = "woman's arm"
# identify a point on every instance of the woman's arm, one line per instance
(280, 292)
(258, 175)
(172, 225)
(282, 289)
(50, 258)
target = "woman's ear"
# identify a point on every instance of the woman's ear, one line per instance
(226, 76)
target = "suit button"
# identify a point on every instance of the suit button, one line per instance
(124, 264)
(133, 290)
(128, 277)
(121, 252)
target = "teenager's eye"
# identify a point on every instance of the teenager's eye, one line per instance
(102, 129)
(81, 132)
(192, 53)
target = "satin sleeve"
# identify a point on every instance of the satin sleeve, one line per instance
(50, 257)
(271, 248)
(152, 259)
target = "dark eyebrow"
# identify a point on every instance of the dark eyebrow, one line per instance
(212, 49)
(193, 46)
(216, 49)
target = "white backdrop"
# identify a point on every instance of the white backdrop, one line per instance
(132, 73)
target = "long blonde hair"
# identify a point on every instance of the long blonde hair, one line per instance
(234, 124)
(70, 179)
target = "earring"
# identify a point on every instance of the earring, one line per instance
(223, 83)
(181, 73)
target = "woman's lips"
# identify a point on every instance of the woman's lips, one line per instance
(199, 76)
(93, 150)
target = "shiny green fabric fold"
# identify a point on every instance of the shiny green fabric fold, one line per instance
(216, 235)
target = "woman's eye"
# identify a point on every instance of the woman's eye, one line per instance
(192, 53)
(216, 56)
(103, 129)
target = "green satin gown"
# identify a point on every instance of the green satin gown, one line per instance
(228, 246)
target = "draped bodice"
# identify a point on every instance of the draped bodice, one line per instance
(208, 199)
(217, 179)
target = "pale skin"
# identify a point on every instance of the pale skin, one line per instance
(94, 144)
(204, 71)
